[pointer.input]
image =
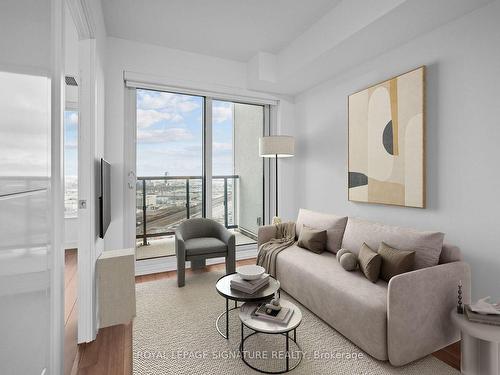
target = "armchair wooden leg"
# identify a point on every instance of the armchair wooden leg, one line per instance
(198, 263)
(230, 265)
(181, 272)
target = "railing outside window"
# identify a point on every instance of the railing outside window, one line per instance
(163, 202)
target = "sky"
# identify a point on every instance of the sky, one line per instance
(24, 125)
(170, 134)
(70, 143)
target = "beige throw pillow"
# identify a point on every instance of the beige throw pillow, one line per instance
(334, 226)
(312, 239)
(369, 263)
(394, 261)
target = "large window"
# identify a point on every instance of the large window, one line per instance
(70, 163)
(173, 131)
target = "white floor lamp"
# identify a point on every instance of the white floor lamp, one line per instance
(276, 146)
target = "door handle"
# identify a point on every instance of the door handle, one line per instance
(131, 180)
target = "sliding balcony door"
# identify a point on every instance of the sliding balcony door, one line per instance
(183, 154)
(237, 169)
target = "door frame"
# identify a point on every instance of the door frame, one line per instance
(56, 336)
(83, 18)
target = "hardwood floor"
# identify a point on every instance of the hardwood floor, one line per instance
(450, 355)
(70, 309)
(172, 274)
(111, 352)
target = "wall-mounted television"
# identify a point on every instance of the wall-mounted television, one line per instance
(104, 198)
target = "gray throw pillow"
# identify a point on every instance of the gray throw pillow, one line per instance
(349, 261)
(394, 261)
(369, 263)
(340, 253)
(312, 239)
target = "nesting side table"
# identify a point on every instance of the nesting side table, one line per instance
(480, 346)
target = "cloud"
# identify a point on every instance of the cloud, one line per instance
(24, 125)
(155, 106)
(166, 101)
(187, 106)
(219, 146)
(73, 118)
(70, 145)
(146, 118)
(163, 135)
(221, 113)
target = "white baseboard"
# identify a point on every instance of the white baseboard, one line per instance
(70, 245)
(156, 265)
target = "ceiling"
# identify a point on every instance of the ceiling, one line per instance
(231, 29)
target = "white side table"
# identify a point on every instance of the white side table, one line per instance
(271, 328)
(479, 347)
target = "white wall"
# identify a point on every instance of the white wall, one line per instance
(32, 28)
(463, 131)
(70, 55)
(197, 71)
(287, 123)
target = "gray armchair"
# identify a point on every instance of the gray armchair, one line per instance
(199, 239)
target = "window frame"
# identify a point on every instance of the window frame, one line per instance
(207, 140)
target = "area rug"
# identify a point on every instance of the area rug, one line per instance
(174, 333)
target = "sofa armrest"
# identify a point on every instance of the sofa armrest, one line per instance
(223, 234)
(265, 233)
(418, 310)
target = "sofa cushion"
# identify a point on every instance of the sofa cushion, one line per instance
(394, 261)
(369, 263)
(347, 301)
(427, 245)
(334, 226)
(204, 245)
(312, 239)
(450, 253)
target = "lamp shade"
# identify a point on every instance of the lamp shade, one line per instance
(282, 146)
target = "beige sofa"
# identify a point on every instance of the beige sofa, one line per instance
(400, 321)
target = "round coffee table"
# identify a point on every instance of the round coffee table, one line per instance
(223, 287)
(480, 346)
(271, 328)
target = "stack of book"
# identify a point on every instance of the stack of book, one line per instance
(493, 319)
(249, 286)
(281, 316)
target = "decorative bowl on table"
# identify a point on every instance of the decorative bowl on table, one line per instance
(250, 272)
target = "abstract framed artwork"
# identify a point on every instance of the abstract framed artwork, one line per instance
(387, 142)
